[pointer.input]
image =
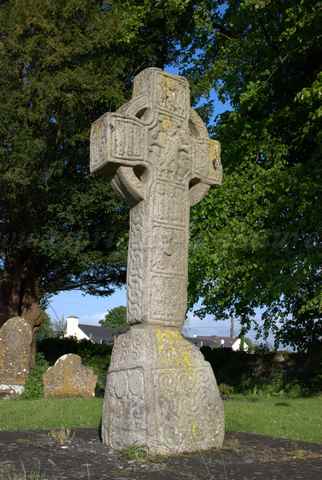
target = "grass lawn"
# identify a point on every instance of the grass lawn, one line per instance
(46, 414)
(296, 419)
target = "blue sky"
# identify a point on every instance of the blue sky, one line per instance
(90, 309)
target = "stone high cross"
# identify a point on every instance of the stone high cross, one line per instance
(160, 392)
(158, 152)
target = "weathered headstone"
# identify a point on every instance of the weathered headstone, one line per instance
(69, 378)
(15, 347)
(160, 392)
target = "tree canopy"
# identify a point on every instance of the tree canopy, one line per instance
(63, 63)
(256, 240)
(115, 318)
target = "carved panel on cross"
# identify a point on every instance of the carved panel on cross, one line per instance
(167, 249)
(126, 396)
(170, 204)
(168, 299)
(136, 265)
(173, 96)
(99, 141)
(200, 153)
(128, 350)
(175, 162)
(179, 409)
(129, 139)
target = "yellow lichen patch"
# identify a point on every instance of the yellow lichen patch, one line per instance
(166, 123)
(173, 349)
(195, 431)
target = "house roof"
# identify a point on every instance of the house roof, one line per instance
(214, 341)
(101, 334)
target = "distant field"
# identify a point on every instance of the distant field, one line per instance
(296, 419)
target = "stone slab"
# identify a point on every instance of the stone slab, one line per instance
(15, 349)
(69, 378)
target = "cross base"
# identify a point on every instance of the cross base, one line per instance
(161, 394)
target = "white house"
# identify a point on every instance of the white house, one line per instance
(93, 333)
(214, 341)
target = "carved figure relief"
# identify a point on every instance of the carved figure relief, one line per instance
(173, 95)
(170, 204)
(166, 252)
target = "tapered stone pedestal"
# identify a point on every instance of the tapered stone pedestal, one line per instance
(161, 393)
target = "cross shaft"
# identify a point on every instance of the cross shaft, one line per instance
(158, 151)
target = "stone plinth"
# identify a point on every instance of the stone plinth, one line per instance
(164, 393)
(15, 349)
(69, 378)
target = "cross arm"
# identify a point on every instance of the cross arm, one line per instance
(117, 140)
(207, 169)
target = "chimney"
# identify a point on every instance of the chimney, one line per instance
(71, 326)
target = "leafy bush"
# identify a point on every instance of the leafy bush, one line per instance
(34, 385)
(265, 373)
(226, 390)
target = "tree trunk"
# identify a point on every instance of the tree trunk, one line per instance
(4, 307)
(31, 312)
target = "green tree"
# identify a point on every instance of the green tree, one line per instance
(115, 318)
(46, 329)
(63, 63)
(59, 327)
(256, 241)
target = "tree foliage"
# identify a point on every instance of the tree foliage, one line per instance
(115, 318)
(63, 63)
(256, 241)
(46, 329)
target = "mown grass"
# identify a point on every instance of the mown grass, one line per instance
(47, 414)
(296, 419)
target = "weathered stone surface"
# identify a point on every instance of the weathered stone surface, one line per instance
(15, 348)
(69, 378)
(161, 393)
(158, 151)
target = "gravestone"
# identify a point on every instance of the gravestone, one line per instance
(160, 392)
(69, 378)
(15, 347)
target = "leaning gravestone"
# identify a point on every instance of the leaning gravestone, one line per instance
(15, 347)
(69, 378)
(160, 392)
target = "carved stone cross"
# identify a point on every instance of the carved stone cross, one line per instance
(158, 152)
(160, 392)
